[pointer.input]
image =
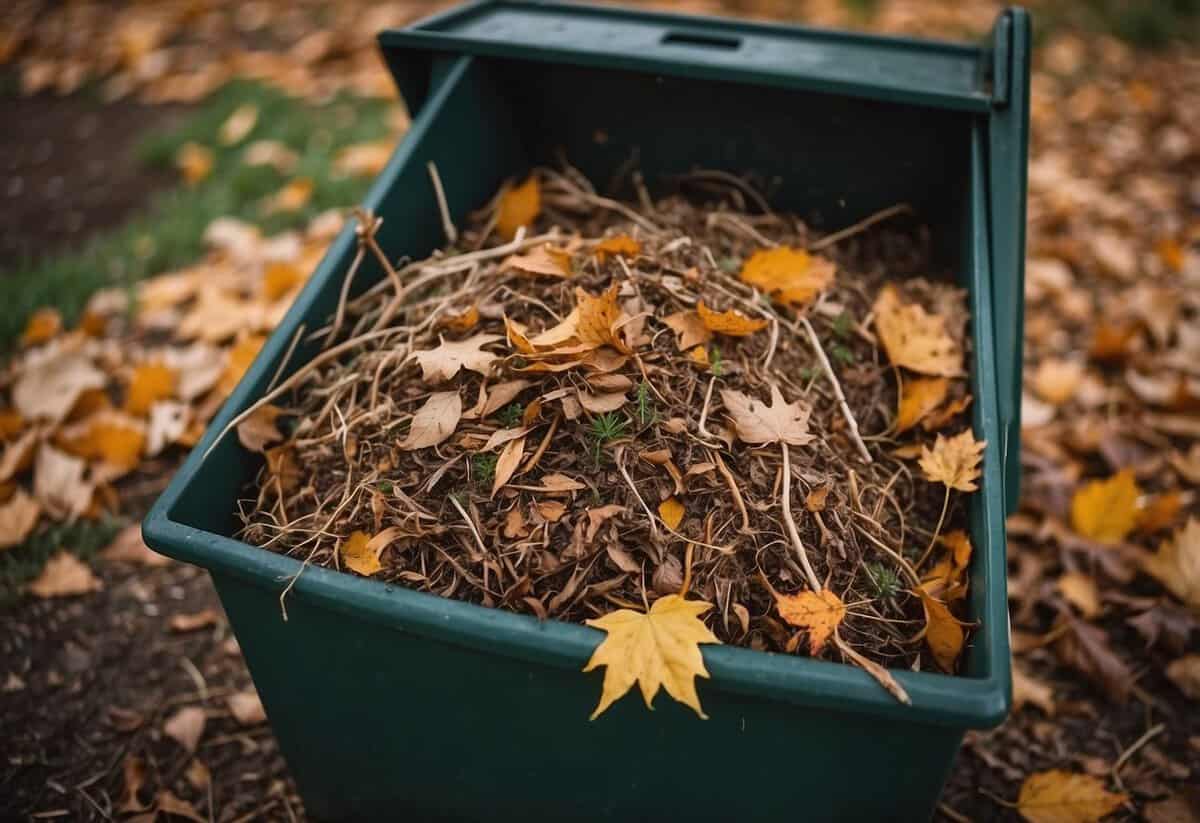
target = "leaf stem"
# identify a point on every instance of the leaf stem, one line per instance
(793, 532)
(936, 531)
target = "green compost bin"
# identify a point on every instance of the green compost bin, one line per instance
(391, 704)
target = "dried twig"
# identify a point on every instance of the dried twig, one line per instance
(443, 207)
(837, 389)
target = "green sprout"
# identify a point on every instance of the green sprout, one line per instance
(841, 354)
(843, 324)
(882, 580)
(714, 361)
(808, 373)
(511, 415)
(606, 427)
(385, 486)
(646, 412)
(484, 467)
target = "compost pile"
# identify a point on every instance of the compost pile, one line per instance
(583, 405)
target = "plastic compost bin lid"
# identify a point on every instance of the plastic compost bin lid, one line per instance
(989, 80)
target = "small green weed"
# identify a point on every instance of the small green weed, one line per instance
(646, 411)
(882, 581)
(484, 468)
(511, 415)
(715, 363)
(604, 429)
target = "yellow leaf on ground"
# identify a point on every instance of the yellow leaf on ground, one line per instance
(18, 516)
(110, 437)
(43, 324)
(292, 197)
(519, 206)
(271, 153)
(671, 511)
(544, 259)
(592, 323)
(357, 556)
(1057, 381)
(364, 159)
(1058, 796)
(758, 424)
(241, 355)
(943, 634)
(620, 244)
(689, 329)
(59, 485)
(731, 323)
(657, 649)
(64, 575)
(435, 421)
(150, 383)
(279, 279)
(194, 162)
(790, 276)
(128, 547)
(919, 397)
(819, 612)
(953, 461)
(238, 125)
(915, 339)
(1106, 510)
(445, 361)
(1177, 564)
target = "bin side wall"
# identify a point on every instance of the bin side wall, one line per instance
(377, 723)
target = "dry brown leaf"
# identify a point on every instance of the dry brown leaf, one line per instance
(128, 547)
(198, 776)
(915, 339)
(1106, 510)
(1160, 513)
(507, 463)
(444, 362)
(435, 421)
(357, 555)
(168, 424)
(514, 524)
(919, 397)
(238, 125)
(271, 153)
(601, 403)
(44, 324)
(953, 461)
(818, 612)
(730, 323)
(689, 329)
(1028, 689)
(561, 483)
(551, 510)
(218, 315)
(519, 206)
(64, 575)
(259, 430)
(279, 280)
(1080, 591)
(462, 322)
(789, 276)
(246, 708)
(502, 394)
(592, 323)
(758, 424)
(618, 245)
(113, 438)
(596, 518)
(149, 383)
(1058, 796)
(815, 501)
(1086, 648)
(50, 385)
(546, 260)
(59, 485)
(186, 727)
(659, 649)
(192, 622)
(18, 515)
(1057, 381)
(940, 417)
(1176, 565)
(18, 454)
(671, 511)
(943, 633)
(167, 803)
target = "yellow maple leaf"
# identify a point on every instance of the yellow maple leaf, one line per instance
(790, 276)
(918, 398)
(1106, 510)
(150, 383)
(953, 461)
(731, 323)
(671, 512)
(43, 324)
(656, 649)
(357, 555)
(819, 612)
(1177, 564)
(593, 322)
(915, 339)
(620, 244)
(943, 633)
(1059, 796)
(519, 206)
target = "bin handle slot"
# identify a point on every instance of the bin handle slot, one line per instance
(704, 41)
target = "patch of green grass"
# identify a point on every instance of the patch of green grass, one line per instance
(604, 429)
(841, 354)
(882, 581)
(1150, 24)
(20, 565)
(511, 415)
(843, 324)
(169, 234)
(484, 468)
(646, 411)
(715, 363)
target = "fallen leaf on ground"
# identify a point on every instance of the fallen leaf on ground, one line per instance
(238, 125)
(943, 633)
(689, 329)
(601, 403)
(168, 424)
(818, 612)
(198, 776)
(597, 516)
(1086, 648)
(128, 547)
(1058, 796)
(18, 454)
(59, 485)
(551, 510)
(167, 803)
(445, 361)
(507, 463)
(260, 429)
(150, 383)
(357, 555)
(435, 421)
(113, 438)
(1028, 689)
(758, 424)
(789, 276)
(544, 260)
(731, 323)
(292, 197)
(195, 162)
(671, 511)
(592, 323)
(191, 622)
(246, 708)
(464, 321)
(64, 575)
(620, 244)
(519, 206)
(363, 159)
(1057, 381)
(1080, 591)
(43, 324)
(656, 649)
(1106, 510)
(919, 397)
(1185, 674)
(18, 516)
(48, 387)
(280, 279)
(1160, 512)
(915, 339)
(273, 153)
(953, 461)
(1177, 564)
(240, 356)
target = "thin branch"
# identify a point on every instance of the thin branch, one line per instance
(837, 390)
(443, 207)
(860, 226)
(788, 521)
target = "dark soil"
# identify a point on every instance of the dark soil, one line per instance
(69, 169)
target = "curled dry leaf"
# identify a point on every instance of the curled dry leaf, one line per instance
(593, 322)
(260, 429)
(445, 361)
(50, 385)
(689, 330)
(186, 727)
(659, 649)
(1080, 591)
(1058, 796)
(943, 633)
(818, 612)
(246, 708)
(757, 424)
(1106, 510)
(546, 260)
(601, 403)
(59, 485)
(1028, 689)
(165, 802)
(519, 206)
(730, 323)
(918, 398)
(915, 339)
(64, 575)
(671, 511)
(128, 547)
(435, 421)
(507, 463)
(1177, 564)
(790, 276)
(953, 461)
(618, 245)
(597, 517)
(461, 322)
(358, 555)
(18, 515)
